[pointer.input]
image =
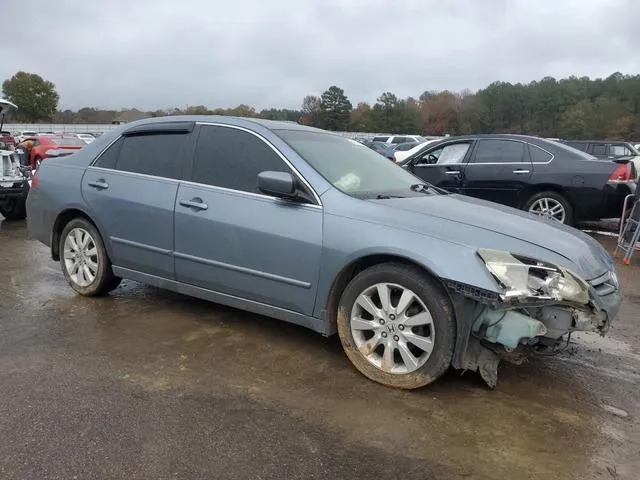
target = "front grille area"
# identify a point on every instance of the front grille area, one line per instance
(605, 284)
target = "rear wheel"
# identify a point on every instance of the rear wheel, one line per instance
(551, 205)
(84, 260)
(13, 208)
(396, 325)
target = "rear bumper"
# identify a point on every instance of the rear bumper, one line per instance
(17, 190)
(613, 199)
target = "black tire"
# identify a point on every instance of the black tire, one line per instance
(104, 281)
(558, 197)
(13, 209)
(435, 299)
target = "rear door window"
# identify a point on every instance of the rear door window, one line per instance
(380, 139)
(157, 154)
(499, 151)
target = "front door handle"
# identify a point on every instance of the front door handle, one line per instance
(100, 184)
(520, 172)
(452, 172)
(195, 203)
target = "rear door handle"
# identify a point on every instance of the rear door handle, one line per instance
(520, 172)
(195, 203)
(452, 172)
(100, 184)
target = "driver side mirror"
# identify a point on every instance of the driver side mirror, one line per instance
(278, 184)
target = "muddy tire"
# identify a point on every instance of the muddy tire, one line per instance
(396, 326)
(13, 209)
(84, 260)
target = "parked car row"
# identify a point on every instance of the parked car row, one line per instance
(544, 177)
(37, 147)
(21, 136)
(608, 149)
(14, 174)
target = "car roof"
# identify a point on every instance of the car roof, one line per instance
(248, 122)
(597, 141)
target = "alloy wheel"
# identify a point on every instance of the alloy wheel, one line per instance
(550, 208)
(392, 328)
(81, 257)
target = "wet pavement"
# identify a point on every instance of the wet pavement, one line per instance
(149, 384)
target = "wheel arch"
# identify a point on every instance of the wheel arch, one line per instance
(357, 265)
(63, 218)
(532, 190)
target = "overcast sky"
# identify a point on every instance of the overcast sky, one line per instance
(220, 53)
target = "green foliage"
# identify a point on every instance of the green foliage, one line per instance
(335, 109)
(573, 107)
(569, 108)
(36, 98)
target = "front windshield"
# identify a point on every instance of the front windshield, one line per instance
(353, 169)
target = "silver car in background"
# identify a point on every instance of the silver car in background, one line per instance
(302, 225)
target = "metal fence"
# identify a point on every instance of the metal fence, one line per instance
(16, 128)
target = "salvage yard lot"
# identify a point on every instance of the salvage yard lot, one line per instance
(150, 384)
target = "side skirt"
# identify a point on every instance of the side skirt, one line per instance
(312, 323)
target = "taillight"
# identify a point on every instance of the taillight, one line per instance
(34, 179)
(621, 174)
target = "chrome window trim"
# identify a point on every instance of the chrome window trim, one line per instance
(318, 203)
(493, 163)
(247, 194)
(136, 174)
(270, 145)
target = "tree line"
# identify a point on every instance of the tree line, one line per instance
(572, 108)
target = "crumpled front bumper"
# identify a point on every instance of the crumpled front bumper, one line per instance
(606, 297)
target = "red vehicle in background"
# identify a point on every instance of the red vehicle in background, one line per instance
(7, 139)
(43, 143)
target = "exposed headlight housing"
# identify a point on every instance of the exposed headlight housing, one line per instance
(524, 277)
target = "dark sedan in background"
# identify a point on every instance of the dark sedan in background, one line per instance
(544, 177)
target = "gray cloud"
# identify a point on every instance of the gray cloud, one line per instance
(163, 53)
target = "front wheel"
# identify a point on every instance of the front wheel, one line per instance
(551, 205)
(84, 260)
(396, 325)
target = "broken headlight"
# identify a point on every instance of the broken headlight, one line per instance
(524, 277)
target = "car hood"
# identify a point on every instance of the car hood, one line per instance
(576, 246)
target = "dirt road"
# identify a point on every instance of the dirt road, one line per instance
(150, 384)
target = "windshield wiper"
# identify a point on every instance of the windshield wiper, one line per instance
(427, 188)
(384, 196)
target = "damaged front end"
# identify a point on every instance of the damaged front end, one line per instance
(539, 305)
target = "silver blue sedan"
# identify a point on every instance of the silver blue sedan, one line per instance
(308, 227)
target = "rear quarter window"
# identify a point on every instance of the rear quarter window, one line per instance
(538, 155)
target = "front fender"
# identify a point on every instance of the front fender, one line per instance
(348, 240)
